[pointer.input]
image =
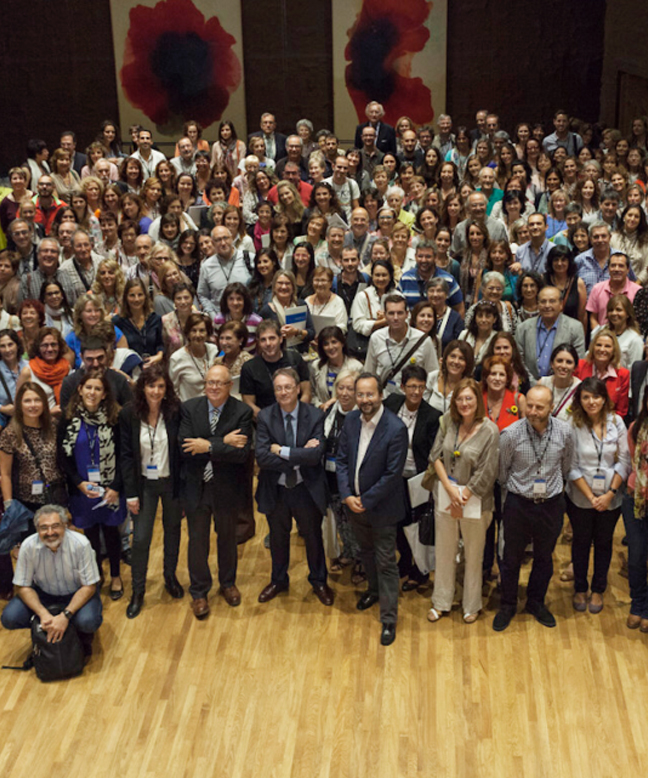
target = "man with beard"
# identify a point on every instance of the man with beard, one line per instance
(56, 567)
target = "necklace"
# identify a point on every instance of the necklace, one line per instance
(204, 361)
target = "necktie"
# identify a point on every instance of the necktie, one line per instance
(291, 477)
(213, 423)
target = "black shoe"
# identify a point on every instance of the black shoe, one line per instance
(541, 614)
(172, 585)
(388, 634)
(116, 594)
(502, 619)
(126, 556)
(135, 605)
(366, 601)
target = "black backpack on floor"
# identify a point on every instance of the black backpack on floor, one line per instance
(55, 661)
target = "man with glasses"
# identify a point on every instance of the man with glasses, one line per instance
(56, 568)
(292, 483)
(96, 354)
(22, 235)
(225, 267)
(215, 440)
(32, 281)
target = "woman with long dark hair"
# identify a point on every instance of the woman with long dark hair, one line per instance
(89, 455)
(150, 466)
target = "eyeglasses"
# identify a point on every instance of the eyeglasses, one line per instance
(42, 528)
(217, 384)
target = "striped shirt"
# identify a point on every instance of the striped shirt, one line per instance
(526, 456)
(58, 573)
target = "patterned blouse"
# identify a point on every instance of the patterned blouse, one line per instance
(25, 470)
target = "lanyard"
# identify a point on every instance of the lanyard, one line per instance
(400, 353)
(152, 437)
(92, 439)
(544, 342)
(540, 457)
(599, 448)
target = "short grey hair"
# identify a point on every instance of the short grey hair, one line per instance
(440, 282)
(289, 372)
(395, 190)
(305, 123)
(47, 510)
(424, 243)
(295, 137)
(597, 225)
(493, 275)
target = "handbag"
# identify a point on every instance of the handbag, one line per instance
(357, 344)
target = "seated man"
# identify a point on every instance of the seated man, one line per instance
(56, 568)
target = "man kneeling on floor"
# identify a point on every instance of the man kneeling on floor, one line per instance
(56, 567)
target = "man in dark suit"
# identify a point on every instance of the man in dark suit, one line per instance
(370, 459)
(215, 435)
(275, 142)
(292, 482)
(97, 354)
(69, 143)
(385, 133)
(422, 422)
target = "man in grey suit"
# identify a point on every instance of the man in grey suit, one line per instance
(537, 337)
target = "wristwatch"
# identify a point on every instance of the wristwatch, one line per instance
(68, 614)
(614, 491)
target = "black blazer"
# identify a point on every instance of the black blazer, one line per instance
(131, 455)
(280, 143)
(381, 472)
(271, 429)
(425, 429)
(386, 140)
(229, 463)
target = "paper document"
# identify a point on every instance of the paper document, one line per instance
(296, 317)
(321, 320)
(472, 509)
(418, 494)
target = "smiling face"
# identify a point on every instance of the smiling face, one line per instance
(49, 349)
(497, 378)
(92, 392)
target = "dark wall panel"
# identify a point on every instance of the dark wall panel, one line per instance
(287, 47)
(58, 72)
(523, 60)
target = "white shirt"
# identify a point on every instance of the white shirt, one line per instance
(346, 194)
(367, 430)
(154, 160)
(384, 353)
(154, 448)
(59, 573)
(409, 420)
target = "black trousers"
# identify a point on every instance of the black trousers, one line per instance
(493, 532)
(199, 526)
(113, 545)
(143, 523)
(524, 521)
(378, 555)
(299, 504)
(589, 527)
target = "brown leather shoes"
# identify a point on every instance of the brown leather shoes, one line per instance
(324, 593)
(200, 608)
(231, 595)
(271, 591)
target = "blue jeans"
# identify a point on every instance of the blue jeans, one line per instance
(637, 534)
(17, 615)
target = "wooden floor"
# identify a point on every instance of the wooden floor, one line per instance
(292, 688)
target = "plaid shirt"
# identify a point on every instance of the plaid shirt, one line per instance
(526, 456)
(588, 268)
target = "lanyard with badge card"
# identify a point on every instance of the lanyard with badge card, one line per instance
(598, 481)
(539, 483)
(94, 475)
(152, 472)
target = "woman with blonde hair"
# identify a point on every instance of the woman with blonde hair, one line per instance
(290, 205)
(89, 311)
(108, 287)
(603, 360)
(93, 189)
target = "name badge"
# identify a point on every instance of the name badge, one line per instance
(539, 487)
(37, 488)
(452, 480)
(152, 473)
(93, 475)
(598, 484)
(329, 465)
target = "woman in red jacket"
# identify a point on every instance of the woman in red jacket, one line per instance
(603, 361)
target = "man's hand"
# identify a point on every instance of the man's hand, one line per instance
(196, 446)
(275, 448)
(55, 627)
(312, 443)
(133, 505)
(235, 439)
(354, 504)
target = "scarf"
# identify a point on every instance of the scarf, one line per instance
(52, 375)
(105, 435)
(279, 310)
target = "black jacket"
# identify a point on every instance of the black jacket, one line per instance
(425, 429)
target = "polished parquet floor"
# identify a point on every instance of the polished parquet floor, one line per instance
(291, 689)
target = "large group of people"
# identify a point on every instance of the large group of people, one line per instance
(427, 346)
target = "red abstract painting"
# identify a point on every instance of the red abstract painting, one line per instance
(178, 65)
(382, 42)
